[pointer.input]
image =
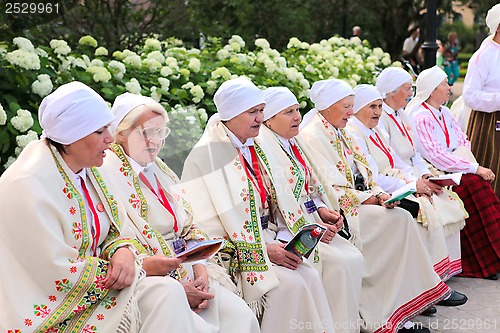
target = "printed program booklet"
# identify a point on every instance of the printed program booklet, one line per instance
(403, 192)
(448, 179)
(201, 250)
(306, 228)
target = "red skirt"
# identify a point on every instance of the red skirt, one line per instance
(480, 239)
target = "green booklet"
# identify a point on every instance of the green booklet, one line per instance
(403, 192)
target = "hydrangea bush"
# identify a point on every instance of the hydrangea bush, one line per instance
(182, 79)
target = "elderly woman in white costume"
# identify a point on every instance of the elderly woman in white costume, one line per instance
(70, 260)
(392, 173)
(161, 212)
(398, 271)
(395, 87)
(441, 142)
(482, 94)
(227, 179)
(299, 193)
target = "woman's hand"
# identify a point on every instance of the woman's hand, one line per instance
(197, 299)
(200, 277)
(160, 265)
(485, 173)
(424, 188)
(121, 270)
(278, 255)
(370, 201)
(331, 231)
(383, 197)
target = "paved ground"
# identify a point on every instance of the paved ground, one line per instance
(481, 314)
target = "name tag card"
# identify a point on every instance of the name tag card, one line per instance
(310, 206)
(264, 221)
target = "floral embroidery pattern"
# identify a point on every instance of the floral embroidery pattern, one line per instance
(42, 310)
(126, 169)
(109, 302)
(72, 210)
(28, 322)
(148, 232)
(63, 285)
(252, 278)
(100, 316)
(134, 201)
(52, 298)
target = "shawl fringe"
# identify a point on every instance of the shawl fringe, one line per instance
(131, 321)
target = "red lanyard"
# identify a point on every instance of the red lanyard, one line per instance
(402, 128)
(96, 234)
(162, 197)
(256, 172)
(301, 160)
(382, 147)
(443, 126)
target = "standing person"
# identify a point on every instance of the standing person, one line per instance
(161, 213)
(300, 193)
(441, 142)
(392, 173)
(232, 201)
(66, 240)
(411, 49)
(450, 55)
(482, 94)
(398, 269)
(395, 85)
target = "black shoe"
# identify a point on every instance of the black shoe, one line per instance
(415, 329)
(455, 299)
(493, 277)
(429, 312)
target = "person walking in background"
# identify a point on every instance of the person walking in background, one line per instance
(450, 58)
(482, 94)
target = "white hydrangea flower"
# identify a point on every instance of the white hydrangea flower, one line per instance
(78, 62)
(270, 66)
(304, 45)
(171, 62)
(194, 64)
(117, 68)
(191, 120)
(152, 64)
(202, 113)
(133, 86)
(155, 94)
(360, 67)
(234, 60)
(235, 46)
(184, 72)
(194, 51)
(60, 46)
(3, 115)
(158, 56)
(310, 68)
(211, 86)
(128, 53)
(97, 63)
(88, 40)
(370, 66)
(133, 60)
(222, 54)
(197, 93)
(42, 53)
(165, 83)
(238, 40)
(166, 71)
(262, 43)
(397, 64)
(42, 86)
(100, 74)
(356, 40)
(101, 51)
(9, 162)
(24, 59)
(152, 44)
(335, 71)
(188, 85)
(23, 140)
(378, 52)
(24, 44)
(355, 77)
(386, 61)
(18, 150)
(23, 121)
(304, 83)
(293, 42)
(221, 72)
(302, 104)
(352, 83)
(118, 55)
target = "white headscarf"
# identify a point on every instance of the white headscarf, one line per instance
(235, 97)
(277, 99)
(72, 112)
(427, 82)
(126, 102)
(493, 18)
(364, 94)
(391, 78)
(325, 93)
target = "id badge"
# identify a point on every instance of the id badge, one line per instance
(179, 245)
(264, 221)
(310, 206)
(498, 126)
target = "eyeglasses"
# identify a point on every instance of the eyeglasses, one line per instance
(150, 132)
(413, 90)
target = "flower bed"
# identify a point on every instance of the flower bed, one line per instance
(182, 79)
